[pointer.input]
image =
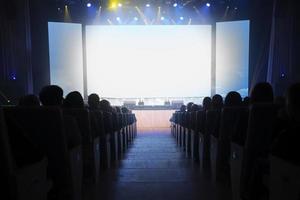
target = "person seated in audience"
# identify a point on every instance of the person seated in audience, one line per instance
(118, 109)
(183, 108)
(233, 99)
(262, 93)
(196, 108)
(286, 145)
(206, 103)
(125, 110)
(73, 100)
(280, 101)
(105, 106)
(93, 101)
(51, 95)
(189, 106)
(29, 100)
(217, 102)
(246, 101)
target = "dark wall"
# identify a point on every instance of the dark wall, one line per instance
(39, 13)
(274, 43)
(15, 49)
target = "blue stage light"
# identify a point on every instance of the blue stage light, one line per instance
(88, 5)
(181, 18)
(118, 19)
(175, 5)
(136, 19)
(148, 5)
(162, 18)
(208, 4)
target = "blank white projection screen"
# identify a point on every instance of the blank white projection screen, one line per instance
(149, 61)
(232, 57)
(66, 58)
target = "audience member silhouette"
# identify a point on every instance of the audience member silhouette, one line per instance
(125, 110)
(29, 100)
(189, 106)
(73, 100)
(51, 95)
(246, 101)
(195, 108)
(233, 99)
(93, 101)
(118, 109)
(262, 93)
(183, 108)
(206, 103)
(217, 102)
(286, 146)
(280, 101)
(105, 106)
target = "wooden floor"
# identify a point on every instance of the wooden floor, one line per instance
(154, 168)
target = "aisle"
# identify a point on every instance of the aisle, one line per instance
(154, 169)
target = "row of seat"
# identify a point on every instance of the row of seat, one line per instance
(50, 152)
(233, 144)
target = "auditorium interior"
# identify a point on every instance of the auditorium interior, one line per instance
(149, 100)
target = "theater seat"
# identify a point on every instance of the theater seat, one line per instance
(284, 180)
(194, 138)
(257, 148)
(90, 144)
(212, 136)
(44, 128)
(203, 147)
(237, 152)
(229, 120)
(106, 141)
(75, 153)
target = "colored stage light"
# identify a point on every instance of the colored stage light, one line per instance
(181, 18)
(88, 5)
(136, 19)
(162, 18)
(175, 5)
(148, 5)
(207, 4)
(120, 5)
(118, 19)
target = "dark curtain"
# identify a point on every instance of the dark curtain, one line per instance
(281, 67)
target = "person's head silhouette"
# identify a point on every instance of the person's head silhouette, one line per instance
(217, 102)
(189, 106)
(262, 93)
(105, 106)
(233, 99)
(206, 103)
(51, 95)
(93, 101)
(73, 100)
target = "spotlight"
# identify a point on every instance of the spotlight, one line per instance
(207, 4)
(181, 18)
(162, 18)
(148, 5)
(118, 19)
(119, 4)
(88, 5)
(175, 5)
(136, 19)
